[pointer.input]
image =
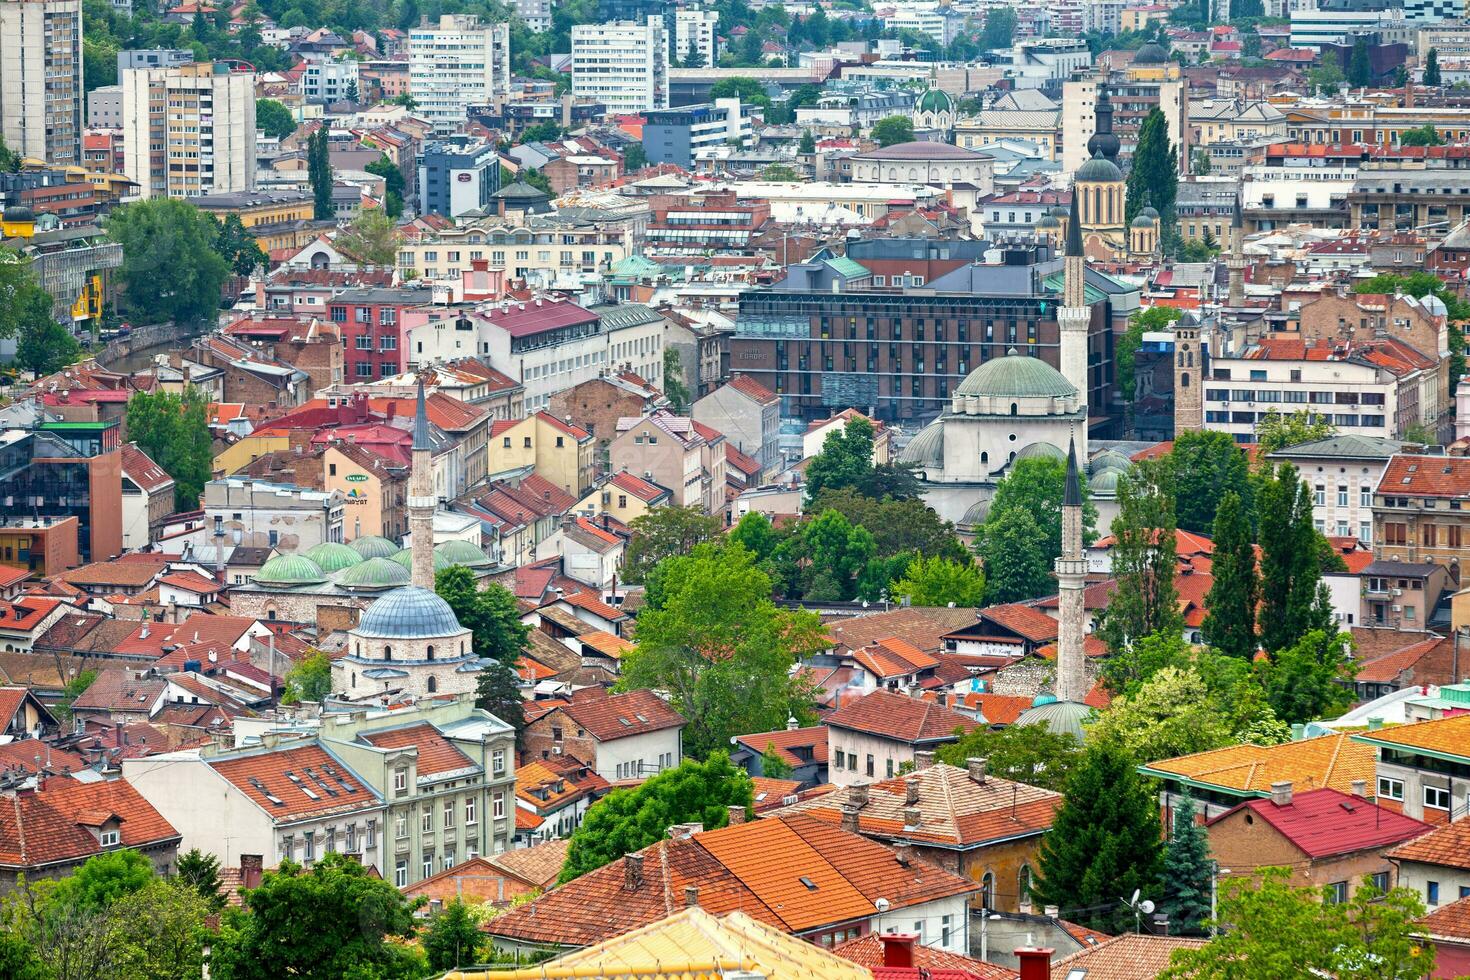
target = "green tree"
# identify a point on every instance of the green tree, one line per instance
(901, 528)
(755, 534)
(542, 132)
(325, 923)
(537, 180)
(1032, 754)
(497, 690)
(1195, 250)
(834, 556)
(9, 159)
(1188, 873)
(105, 878)
(1400, 76)
(238, 247)
(634, 157)
(628, 820)
(1171, 714)
(1431, 68)
(19, 960)
(808, 144)
(675, 389)
(664, 532)
(158, 931)
(174, 431)
(940, 582)
(371, 238)
(72, 691)
(713, 639)
(170, 268)
(1144, 557)
(43, 346)
(1294, 598)
(200, 872)
(1230, 620)
(773, 764)
(1154, 176)
(1269, 928)
(1000, 28)
(1016, 567)
(1104, 842)
(845, 460)
(1201, 164)
(1277, 430)
(1327, 77)
(490, 614)
(319, 174)
(392, 177)
(1310, 679)
(1360, 69)
(891, 130)
(453, 938)
(1207, 464)
(309, 680)
(1037, 485)
(779, 173)
(274, 119)
(1155, 318)
(747, 90)
(1425, 135)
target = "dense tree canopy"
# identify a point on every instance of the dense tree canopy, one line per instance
(940, 582)
(490, 614)
(174, 431)
(1032, 754)
(1207, 464)
(891, 130)
(664, 532)
(171, 269)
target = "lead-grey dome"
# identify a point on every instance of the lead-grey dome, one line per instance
(1062, 717)
(1016, 376)
(1098, 170)
(374, 574)
(1151, 54)
(409, 613)
(1040, 450)
(927, 448)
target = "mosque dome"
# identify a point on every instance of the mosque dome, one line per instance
(926, 448)
(1045, 697)
(1099, 170)
(462, 553)
(1151, 54)
(373, 546)
(1040, 450)
(332, 556)
(408, 613)
(1105, 482)
(1110, 459)
(1016, 376)
(976, 514)
(1062, 717)
(374, 573)
(1049, 222)
(290, 569)
(934, 99)
(1060, 211)
(405, 558)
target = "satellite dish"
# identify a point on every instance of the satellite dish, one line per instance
(1146, 907)
(1134, 900)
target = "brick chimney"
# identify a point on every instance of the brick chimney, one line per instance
(1035, 963)
(903, 852)
(1281, 793)
(911, 817)
(898, 950)
(923, 759)
(911, 792)
(691, 897)
(737, 815)
(632, 872)
(850, 819)
(976, 768)
(857, 795)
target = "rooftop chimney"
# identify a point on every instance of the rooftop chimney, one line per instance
(976, 768)
(691, 897)
(251, 866)
(903, 852)
(850, 819)
(898, 949)
(1360, 788)
(1281, 793)
(792, 724)
(911, 817)
(737, 815)
(1035, 963)
(632, 872)
(857, 795)
(911, 791)
(923, 760)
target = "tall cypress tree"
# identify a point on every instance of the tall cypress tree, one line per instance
(1294, 599)
(1230, 623)
(1144, 557)
(1360, 69)
(1431, 67)
(1187, 872)
(1105, 842)
(1153, 178)
(319, 172)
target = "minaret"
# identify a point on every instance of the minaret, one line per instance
(421, 500)
(1071, 569)
(1236, 263)
(1189, 363)
(1075, 316)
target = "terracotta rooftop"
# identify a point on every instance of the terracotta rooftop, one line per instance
(436, 753)
(1425, 662)
(753, 389)
(786, 739)
(116, 574)
(795, 873)
(1427, 476)
(606, 644)
(118, 690)
(868, 951)
(1447, 845)
(904, 719)
(1126, 957)
(139, 467)
(32, 755)
(539, 866)
(611, 716)
(1027, 621)
(955, 811)
(920, 626)
(1331, 760)
(592, 604)
(1447, 736)
(637, 486)
(191, 582)
(322, 785)
(49, 826)
(1450, 922)
(1325, 822)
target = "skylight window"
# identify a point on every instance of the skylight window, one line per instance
(811, 885)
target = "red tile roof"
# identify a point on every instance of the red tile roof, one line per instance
(262, 775)
(26, 613)
(576, 432)
(786, 739)
(753, 389)
(611, 716)
(1027, 621)
(1451, 922)
(1427, 476)
(553, 497)
(49, 826)
(642, 489)
(901, 718)
(868, 952)
(590, 603)
(191, 582)
(748, 465)
(1326, 822)
(538, 316)
(436, 753)
(921, 626)
(31, 755)
(199, 629)
(139, 467)
(1447, 845)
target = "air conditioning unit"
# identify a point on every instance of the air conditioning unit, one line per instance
(556, 749)
(1396, 591)
(1398, 608)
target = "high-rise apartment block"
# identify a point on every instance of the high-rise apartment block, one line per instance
(694, 37)
(622, 64)
(462, 62)
(189, 130)
(41, 78)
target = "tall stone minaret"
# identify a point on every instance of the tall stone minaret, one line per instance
(1071, 569)
(1074, 316)
(1236, 262)
(421, 500)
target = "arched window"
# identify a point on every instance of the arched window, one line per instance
(1013, 408)
(1189, 360)
(987, 891)
(431, 685)
(387, 653)
(354, 678)
(1184, 380)
(431, 651)
(984, 458)
(1023, 882)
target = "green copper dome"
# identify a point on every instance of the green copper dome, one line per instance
(290, 570)
(372, 546)
(331, 556)
(1040, 450)
(1016, 376)
(405, 558)
(462, 553)
(926, 448)
(1105, 482)
(935, 100)
(1062, 717)
(374, 573)
(1110, 459)
(1098, 170)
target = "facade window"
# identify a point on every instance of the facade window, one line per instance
(372, 834)
(400, 826)
(870, 764)
(426, 820)
(448, 814)
(110, 838)
(1380, 881)
(1431, 893)
(497, 806)
(400, 874)
(428, 865)
(308, 852)
(469, 811)
(1337, 893)
(1436, 797)
(1390, 789)
(400, 781)
(497, 762)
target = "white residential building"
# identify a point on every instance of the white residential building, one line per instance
(536, 13)
(938, 22)
(694, 36)
(41, 79)
(1314, 28)
(622, 64)
(460, 63)
(189, 130)
(1342, 472)
(328, 79)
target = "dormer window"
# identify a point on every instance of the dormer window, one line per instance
(109, 838)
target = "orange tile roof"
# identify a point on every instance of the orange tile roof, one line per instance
(752, 389)
(436, 753)
(1028, 621)
(786, 739)
(901, 718)
(535, 775)
(140, 468)
(997, 709)
(135, 573)
(262, 775)
(955, 811)
(756, 867)
(549, 493)
(638, 487)
(868, 951)
(1447, 845)
(1447, 736)
(1330, 760)
(48, 826)
(26, 613)
(770, 793)
(920, 626)
(1450, 922)
(1391, 667)
(592, 604)
(31, 755)
(1125, 957)
(607, 644)
(1427, 476)
(611, 716)
(539, 866)
(191, 582)
(748, 465)
(576, 432)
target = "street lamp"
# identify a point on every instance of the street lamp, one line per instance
(985, 919)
